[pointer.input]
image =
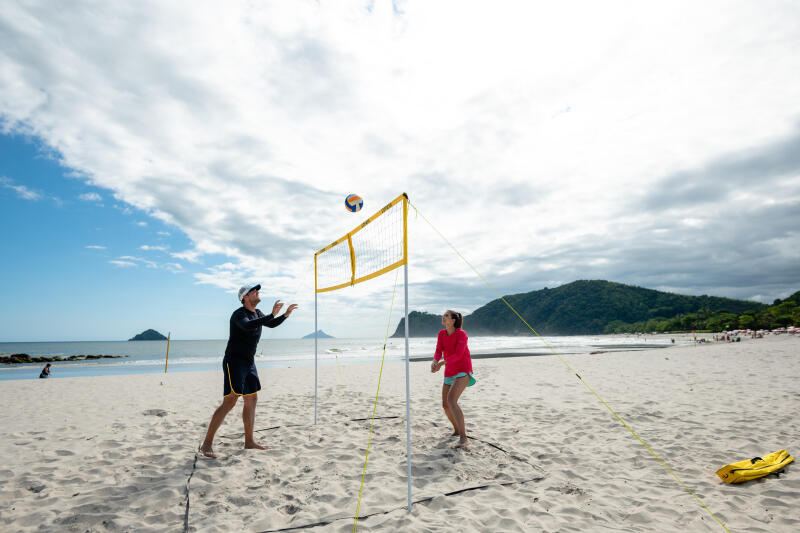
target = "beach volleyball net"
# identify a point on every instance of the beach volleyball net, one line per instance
(375, 247)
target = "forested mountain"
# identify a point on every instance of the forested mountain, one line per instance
(780, 314)
(582, 307)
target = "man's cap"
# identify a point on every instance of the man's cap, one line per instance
(247, 288)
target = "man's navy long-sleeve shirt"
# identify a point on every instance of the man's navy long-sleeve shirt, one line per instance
(246, 332)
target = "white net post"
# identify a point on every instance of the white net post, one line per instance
(316, 334)
(375, 247)
(408, 397)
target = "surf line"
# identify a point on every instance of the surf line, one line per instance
(585, 384)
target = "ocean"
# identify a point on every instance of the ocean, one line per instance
(144, 357)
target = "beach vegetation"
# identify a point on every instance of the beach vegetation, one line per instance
(783, 313)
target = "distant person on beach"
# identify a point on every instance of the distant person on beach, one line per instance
(45, 371)
(239, 367)
(451, 348)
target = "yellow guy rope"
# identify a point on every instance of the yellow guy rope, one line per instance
(375, 406)
(569, 367)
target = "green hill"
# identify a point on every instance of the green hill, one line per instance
(583, 307)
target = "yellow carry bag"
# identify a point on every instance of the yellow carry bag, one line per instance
(754, 468)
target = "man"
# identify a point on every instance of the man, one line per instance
(238, 365)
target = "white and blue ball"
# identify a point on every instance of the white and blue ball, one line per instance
(353, 203)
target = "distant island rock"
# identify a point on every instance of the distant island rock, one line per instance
(149, 335)
(320, 334)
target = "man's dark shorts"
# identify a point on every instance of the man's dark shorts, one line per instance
(240, 379)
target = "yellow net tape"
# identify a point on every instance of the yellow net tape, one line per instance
(568, 366)
(376, 246)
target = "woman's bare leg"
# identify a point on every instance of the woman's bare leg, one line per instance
(452, 401)
(446, 407)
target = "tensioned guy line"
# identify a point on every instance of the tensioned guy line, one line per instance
(566, 364)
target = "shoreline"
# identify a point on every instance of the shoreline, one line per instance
(185, 362)
(89, 366)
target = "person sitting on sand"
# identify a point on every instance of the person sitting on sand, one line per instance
(451, 348)
(45, 371)
(239, 368)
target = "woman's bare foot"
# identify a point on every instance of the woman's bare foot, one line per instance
(454, 433)
(207, 451)
(463, 442)
(253, 446)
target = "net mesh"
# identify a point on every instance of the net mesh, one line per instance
(378, 247)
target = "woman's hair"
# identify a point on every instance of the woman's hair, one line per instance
(457, 316)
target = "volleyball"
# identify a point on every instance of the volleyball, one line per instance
(353, 202)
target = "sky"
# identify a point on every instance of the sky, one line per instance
(155, 156)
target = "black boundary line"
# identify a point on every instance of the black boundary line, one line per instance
(513, 456)
(194, 465)
(262, 429)
(364, 517)
(423, 500)
(302, 425)
(370, 418)
(186, 515)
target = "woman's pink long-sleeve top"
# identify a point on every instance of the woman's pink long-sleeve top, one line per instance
(455, 352)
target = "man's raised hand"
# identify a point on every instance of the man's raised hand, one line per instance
(289, 310)
(276, 307)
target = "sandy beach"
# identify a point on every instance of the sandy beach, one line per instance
(117, 453)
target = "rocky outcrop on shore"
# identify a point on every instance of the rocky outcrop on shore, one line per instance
(20, 358)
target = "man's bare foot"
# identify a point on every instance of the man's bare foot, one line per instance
(463, 443)
(253, 446)
(206, 450)
(454, 433)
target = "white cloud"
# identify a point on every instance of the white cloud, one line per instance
(145, 262)
(22, 191)
(191, 256)
(95, 247)
(528, 135)
(175, 268)
(151, 248)
(91, 197)
(123, 264)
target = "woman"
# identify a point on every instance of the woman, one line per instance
(45, 371)
(451, 347)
